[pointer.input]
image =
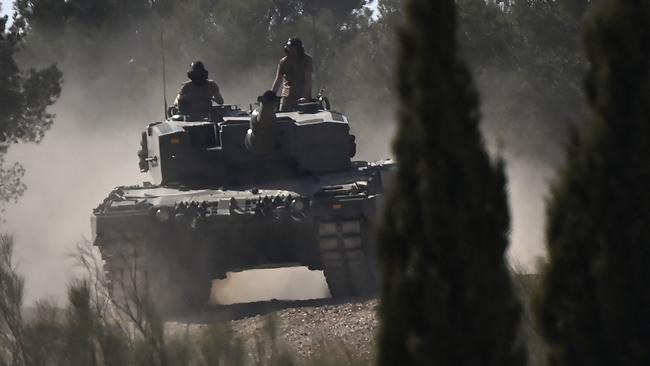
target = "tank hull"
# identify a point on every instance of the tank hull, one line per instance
(174, 241)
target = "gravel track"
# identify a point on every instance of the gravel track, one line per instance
(302, 325)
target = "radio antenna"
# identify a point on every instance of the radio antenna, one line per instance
(164, 73)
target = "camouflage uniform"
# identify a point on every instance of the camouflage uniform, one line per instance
(195, 98)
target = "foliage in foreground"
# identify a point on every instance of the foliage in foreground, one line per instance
(594, 302)
(90, 331)
(447, 293)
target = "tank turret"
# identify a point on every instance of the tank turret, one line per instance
(245, 147)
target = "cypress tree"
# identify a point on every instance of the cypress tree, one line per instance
(594, 303)
(447, 294)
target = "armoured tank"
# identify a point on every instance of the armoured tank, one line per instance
(242, 190)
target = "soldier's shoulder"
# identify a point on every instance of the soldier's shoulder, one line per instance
(185, 84)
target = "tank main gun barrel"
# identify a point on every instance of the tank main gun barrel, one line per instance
(260, 136)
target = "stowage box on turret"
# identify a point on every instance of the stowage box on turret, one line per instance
(237, 191)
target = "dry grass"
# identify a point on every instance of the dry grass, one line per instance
(92, 330)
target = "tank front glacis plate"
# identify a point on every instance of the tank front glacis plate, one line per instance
(129, 209)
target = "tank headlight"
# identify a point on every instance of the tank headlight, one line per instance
(297, 205)
(163, 215)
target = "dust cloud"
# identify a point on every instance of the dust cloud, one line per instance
(528, 181)
(528, 175)
(532, 152)
(80, 161)
(68, 174)
(294, 283)
(92, 147)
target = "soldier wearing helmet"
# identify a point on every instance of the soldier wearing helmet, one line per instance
(294, 74)
(196, 95)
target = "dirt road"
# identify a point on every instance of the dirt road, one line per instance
(303, 326)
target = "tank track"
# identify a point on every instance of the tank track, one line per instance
(137, 273)
(348, 257)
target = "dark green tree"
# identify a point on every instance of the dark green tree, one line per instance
(362, 71)
(486, 36)
(91, 14)
(593, 306)
(447, 293)
(528, 62)
(25, 96)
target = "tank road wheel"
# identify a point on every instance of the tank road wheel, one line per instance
(142, 271)
(348, 257)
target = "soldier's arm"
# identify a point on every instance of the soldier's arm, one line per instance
(278, 78)
(308, 71)
(178, 96)
(216, 95)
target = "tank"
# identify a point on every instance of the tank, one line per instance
(242, 190)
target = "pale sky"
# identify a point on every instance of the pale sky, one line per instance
(6, 7)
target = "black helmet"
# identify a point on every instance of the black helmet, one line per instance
(294, 42)
(197, 71)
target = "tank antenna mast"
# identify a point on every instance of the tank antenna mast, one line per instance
(164, 74)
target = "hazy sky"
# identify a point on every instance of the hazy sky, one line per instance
(6, 6)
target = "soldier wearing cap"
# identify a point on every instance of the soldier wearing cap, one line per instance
(195, 96)
(294, 75)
